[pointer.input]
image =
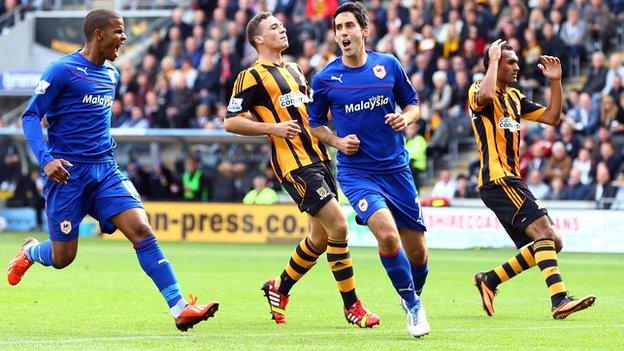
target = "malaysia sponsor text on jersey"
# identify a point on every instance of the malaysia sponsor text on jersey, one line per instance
(104, 100)
(370, 104)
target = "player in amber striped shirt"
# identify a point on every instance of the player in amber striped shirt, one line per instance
(270, 98)
(496, 112)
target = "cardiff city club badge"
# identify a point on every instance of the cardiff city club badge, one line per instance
(380, 71)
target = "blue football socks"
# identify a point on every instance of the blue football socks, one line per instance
(419, 274)
(41, 253)
(399, 271)
(159, 269)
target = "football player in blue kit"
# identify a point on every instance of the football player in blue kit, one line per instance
(75, 94)
(361, 89)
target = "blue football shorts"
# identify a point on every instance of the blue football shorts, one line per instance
(368, 193)
(97, 189)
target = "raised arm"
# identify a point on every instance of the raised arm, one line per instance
(488, 84)
(551, 68)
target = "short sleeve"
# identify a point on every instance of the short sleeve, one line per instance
(472, 96)
(529, 110)
(319, 106)
(243, 94)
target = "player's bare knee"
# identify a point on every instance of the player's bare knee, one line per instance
(140, 232)
(63, 260)
(388, 241)
(340, 231)
(418, 257)
(558, 243)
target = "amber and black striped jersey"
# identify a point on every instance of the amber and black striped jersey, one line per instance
(273, 94)
(496, 129)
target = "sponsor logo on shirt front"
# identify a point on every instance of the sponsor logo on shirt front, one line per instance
(508, 123)
(370, 104)
(104, 100)
(294, 98)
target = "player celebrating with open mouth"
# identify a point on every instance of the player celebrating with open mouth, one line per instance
(361, 90)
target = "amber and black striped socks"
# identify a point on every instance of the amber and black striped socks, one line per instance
(524, 260)
(340, 262)
(546, 258)
(302, 259)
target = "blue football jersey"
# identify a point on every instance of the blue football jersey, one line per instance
(358, 99)
(76, 97)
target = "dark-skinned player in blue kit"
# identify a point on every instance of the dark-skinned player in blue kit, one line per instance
(75, 94)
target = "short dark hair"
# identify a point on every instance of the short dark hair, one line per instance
(486, 55)
(97, 19)
(357, 9)
(253, 27)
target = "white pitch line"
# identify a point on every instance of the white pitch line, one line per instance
(299, 333)
(103, 339)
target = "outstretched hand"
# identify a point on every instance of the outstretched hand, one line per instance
(550, 66)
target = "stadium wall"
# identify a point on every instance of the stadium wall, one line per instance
(448, 227)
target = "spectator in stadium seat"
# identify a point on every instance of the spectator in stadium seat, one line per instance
(556, 189)
(442, 93)
(470, 54)
(536, 185)
(599, 21)
(601, 190)
(571, 142)
(618, 203)
(610, 157)
(423, 91)
(615, 69)
(162, 183)
(192, 51)
(204, 119)
(187, 72)
(194, 181)
(157, 47)
(576, 190)
(585, 117)
(552, 44)
(416, 146)
(223, 184)
(465, 189)
(574, 32)
(149, 66)
(182, 106)
(139, 178)
(118, 115)
(611, 114)
(440, 134)
(184, 28)
(584, 164)
(559, 163)
(137, 119)
(261, 194)
(596, 74)
(229, 66)
(445, 186)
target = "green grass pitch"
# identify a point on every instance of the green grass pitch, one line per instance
(104, 301)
